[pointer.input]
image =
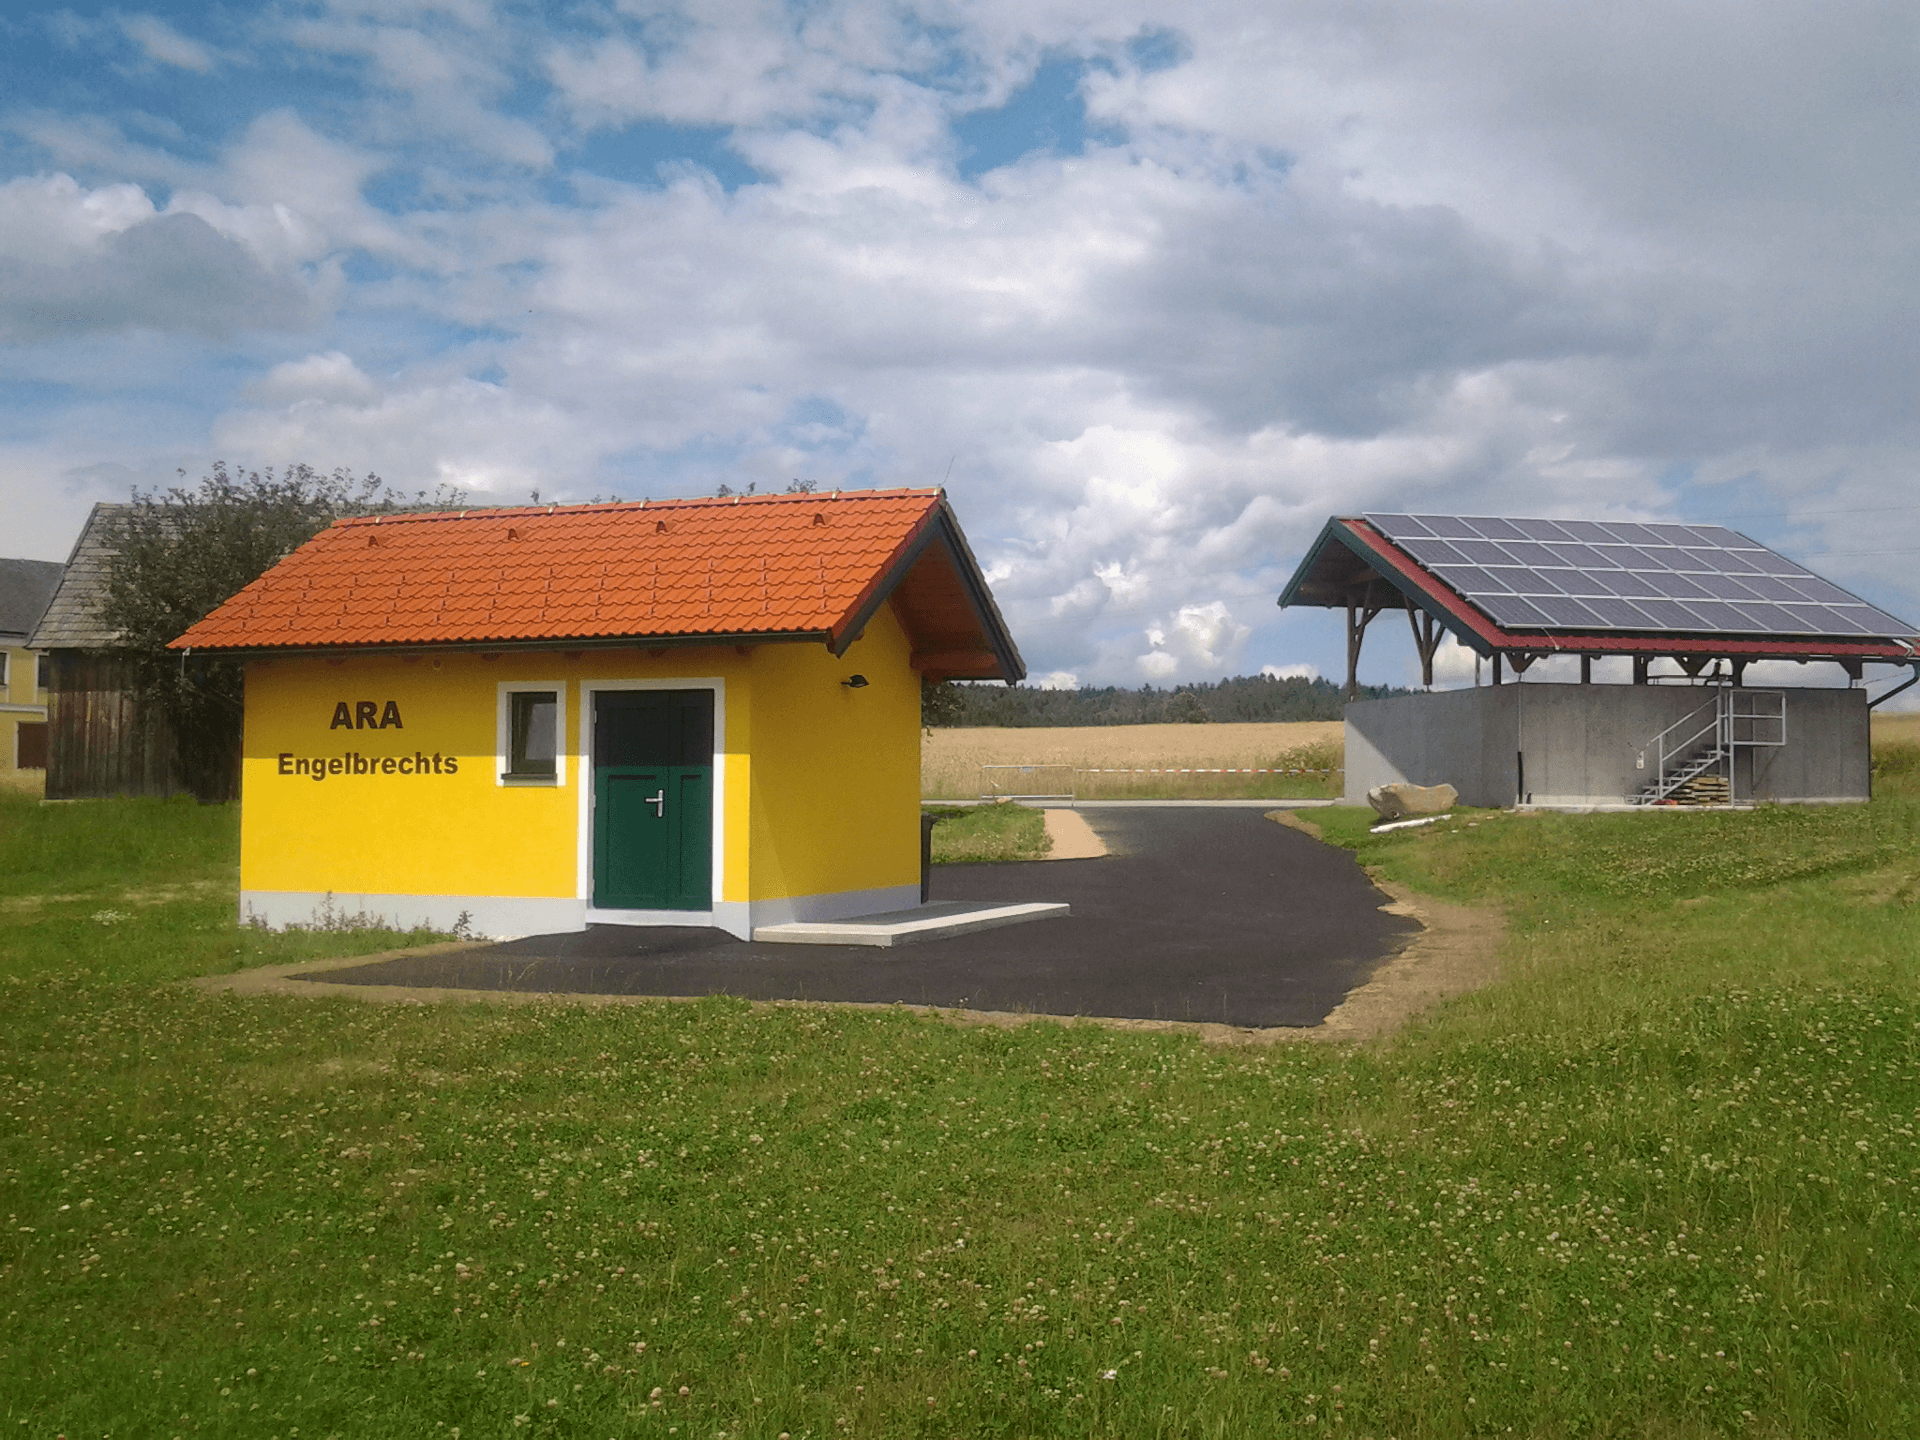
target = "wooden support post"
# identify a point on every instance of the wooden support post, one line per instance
(1586, 669)
(1740, 672)
(1426, 640)
(1355, 631)
(1358, 618)
(1496, 667)
(1639, 669)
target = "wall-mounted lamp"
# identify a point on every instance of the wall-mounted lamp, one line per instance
(855, 682)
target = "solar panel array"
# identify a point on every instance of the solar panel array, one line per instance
(1587, 575)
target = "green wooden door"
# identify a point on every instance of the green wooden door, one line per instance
(653, 800)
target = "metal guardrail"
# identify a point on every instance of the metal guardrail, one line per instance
(1213, 770)
(1026, 782)
(1756, 717)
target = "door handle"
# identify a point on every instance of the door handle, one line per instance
(659, 802)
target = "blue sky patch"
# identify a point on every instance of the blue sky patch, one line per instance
(1153, 50)
(1047, 115)
(822, 426)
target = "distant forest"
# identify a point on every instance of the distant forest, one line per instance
(1242, 697)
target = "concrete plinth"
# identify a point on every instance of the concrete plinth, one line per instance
(903, 927)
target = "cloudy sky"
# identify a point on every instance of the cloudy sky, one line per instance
(1153, 289)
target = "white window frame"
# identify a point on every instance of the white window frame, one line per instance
(588, 688)
(503, 735)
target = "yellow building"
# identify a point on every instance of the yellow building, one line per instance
(696, 712)
(25, 588)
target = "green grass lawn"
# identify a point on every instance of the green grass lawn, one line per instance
(971, 834)
(1658, 1181)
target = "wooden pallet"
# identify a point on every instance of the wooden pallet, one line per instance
(1704, 790)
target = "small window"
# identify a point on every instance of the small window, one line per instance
(3, 670)
(531, 733)
(533, 724)
(30, 745)
(42, 671)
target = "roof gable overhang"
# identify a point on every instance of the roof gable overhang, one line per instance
(943, 602)
(1352, 564)
(71, 619)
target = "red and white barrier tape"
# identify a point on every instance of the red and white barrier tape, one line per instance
(1337, 770)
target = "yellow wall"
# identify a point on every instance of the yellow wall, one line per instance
(432, 834)
(836, 793)
(821, 783)
(20, 692)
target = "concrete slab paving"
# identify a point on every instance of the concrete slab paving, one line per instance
(933, 921)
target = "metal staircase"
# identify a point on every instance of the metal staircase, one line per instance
(1694, 756)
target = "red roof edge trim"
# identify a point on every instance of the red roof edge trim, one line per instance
(1500, 639)
(1443, 598)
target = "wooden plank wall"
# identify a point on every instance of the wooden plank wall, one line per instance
(98, 742)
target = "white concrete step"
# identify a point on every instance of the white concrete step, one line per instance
(902, 927)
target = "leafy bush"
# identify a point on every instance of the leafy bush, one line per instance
(176, 556)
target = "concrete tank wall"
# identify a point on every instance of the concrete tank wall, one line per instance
(1828, 754)
(1462, 738)
(1580, 745)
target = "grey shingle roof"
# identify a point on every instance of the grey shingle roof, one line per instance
(25, 588)
(72, 620)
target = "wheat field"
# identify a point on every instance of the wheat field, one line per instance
(1108, 759)
(1901, 729)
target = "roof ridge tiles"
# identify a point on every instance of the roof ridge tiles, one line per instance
(680, 502)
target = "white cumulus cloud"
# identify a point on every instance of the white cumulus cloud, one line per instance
(329, 379)
(164, 45)
(1199, 640)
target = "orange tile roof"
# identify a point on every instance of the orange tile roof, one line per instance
(773, 565)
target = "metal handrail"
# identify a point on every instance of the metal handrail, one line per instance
(1755, 716)
(1727, 713)
(1717, 727)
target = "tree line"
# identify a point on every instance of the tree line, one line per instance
(1234, 698)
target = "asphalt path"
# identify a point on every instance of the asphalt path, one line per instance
(1196, 913)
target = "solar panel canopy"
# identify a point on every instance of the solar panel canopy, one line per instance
(1590, 575)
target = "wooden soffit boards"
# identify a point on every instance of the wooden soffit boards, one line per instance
(944, 604)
